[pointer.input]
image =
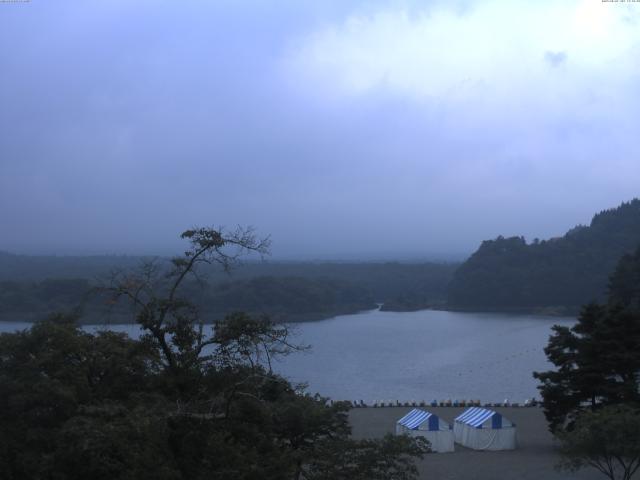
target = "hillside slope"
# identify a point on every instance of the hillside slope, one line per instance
(556, 275)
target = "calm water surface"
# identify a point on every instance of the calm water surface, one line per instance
(408, 356)
(423, 355)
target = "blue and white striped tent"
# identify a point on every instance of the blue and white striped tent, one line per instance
(428, 425)
(484, 429)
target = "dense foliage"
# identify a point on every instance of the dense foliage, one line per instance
(592, 399)
(607, 440)
(597, 360)
(282, 298)
(286, 298)
(184, 401)
(20, 298)
(556, 275)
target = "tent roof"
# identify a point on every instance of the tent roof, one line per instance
(475, 416)
(415, 418)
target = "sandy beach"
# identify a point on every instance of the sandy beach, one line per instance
(534, 459)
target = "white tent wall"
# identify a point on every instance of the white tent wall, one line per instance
(493, 433)
(485, 438)
(436, 431)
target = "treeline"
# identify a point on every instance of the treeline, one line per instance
(284, 291)
(284, 299)
(389, 282)
(553, 276)
(26, 298)
(386, 281)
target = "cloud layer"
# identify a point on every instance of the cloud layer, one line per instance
(344, 129)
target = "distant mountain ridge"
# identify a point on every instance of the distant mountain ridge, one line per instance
(33, 286)
(553, 276)
(39, 267)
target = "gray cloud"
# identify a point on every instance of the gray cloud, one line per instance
(124, 123)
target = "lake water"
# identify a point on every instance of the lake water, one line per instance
(425, 355)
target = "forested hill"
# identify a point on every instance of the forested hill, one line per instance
(556, 275)
(33, 287)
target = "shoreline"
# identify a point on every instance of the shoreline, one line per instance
(118, 318)
(127, 319)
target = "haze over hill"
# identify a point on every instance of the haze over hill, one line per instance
(556, 276)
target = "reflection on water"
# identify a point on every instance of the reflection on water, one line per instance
(408, 356)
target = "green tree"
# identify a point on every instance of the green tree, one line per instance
(391, 458)
(185, 401)
(608, 440)
(597, 360)
(55, 376)
(624, 285)
(597, 363)
(591, 400)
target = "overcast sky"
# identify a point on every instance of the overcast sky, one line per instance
(344, 129)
